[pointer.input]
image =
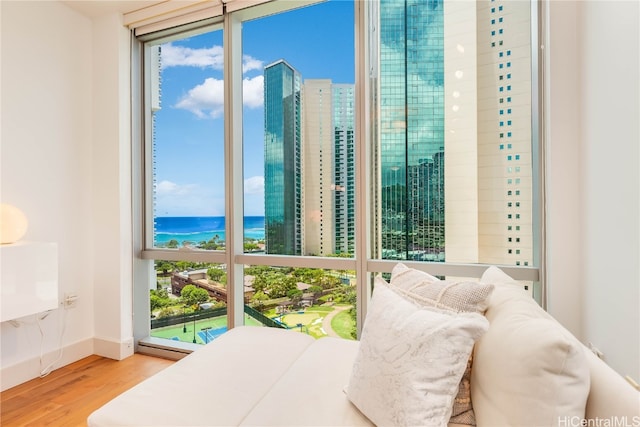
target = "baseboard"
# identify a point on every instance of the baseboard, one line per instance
(116, 350)
(27, 370)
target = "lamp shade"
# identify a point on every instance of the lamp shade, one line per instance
(13, 224)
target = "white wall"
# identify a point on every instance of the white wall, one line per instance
(609, 56)
(112, 185)
(66, 164)
(46, 162)
(594, 185)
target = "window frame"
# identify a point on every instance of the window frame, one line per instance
(233, 255)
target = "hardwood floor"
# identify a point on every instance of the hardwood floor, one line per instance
(68, 395)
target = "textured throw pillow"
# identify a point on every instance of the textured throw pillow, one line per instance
(464, 296)
(527, 369)
(425, 289)
(462, 412)
(411, 358)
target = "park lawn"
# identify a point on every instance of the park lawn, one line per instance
(306, 318)
(343, 324)
(321, 308)
(311, 321)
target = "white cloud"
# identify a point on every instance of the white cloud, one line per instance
(174, 56)
(207, 99)
(253, 91)
(168, 188)
(250, 63)
(212, 57)
(254, 185)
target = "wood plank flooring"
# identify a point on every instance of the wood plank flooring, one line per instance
(67, 396)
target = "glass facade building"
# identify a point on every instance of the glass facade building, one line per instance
(411, 130)
(282, 159)
(454, 146)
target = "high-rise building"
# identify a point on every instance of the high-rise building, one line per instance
(328, 167)
(321, 152)
(317, 167)
(454, 151)
(344, 174)
(411, 130)
(282, 159)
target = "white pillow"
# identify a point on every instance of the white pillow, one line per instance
(527, 369)
(425, 289)
(410, 361)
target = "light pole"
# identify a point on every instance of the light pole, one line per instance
(194, 327)
(184, 319)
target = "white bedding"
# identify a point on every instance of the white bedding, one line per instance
(248, 376)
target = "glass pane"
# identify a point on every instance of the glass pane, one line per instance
(189, 301)
(313, 301)
(186, 109)
(299, 131)
(453, 150)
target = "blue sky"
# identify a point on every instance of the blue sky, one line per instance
(189, 171)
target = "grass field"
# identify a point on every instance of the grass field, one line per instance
(311, 322)
(342, 324)
(309, 319)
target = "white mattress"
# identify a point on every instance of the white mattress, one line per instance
(311, 393)
(217, 385)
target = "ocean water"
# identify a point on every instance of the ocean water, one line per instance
(202, 228)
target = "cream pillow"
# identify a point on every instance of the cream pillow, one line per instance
(410, 361)
(527, 369)
(464, 296)
(425, 289)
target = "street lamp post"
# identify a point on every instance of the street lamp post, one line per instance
(184, 319)
(194, 327)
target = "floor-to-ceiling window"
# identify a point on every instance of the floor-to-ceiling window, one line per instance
(287, 155)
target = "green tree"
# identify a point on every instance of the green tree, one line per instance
(279, 284)
(173, 244)
(258, 300)
(159, 299)
(193, 295)
(212, 244)
(257, 270)
(164, 267)
(215, 273)
(311, 276)
(250, 247)
(329, 282)
(315, 290)
(295, 295)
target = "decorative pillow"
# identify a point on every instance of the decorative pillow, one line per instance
(410, 361)
(498, 277)
(462, 412)
(527, 369)
(425, 289)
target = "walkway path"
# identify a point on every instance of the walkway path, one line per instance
(326, 322)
